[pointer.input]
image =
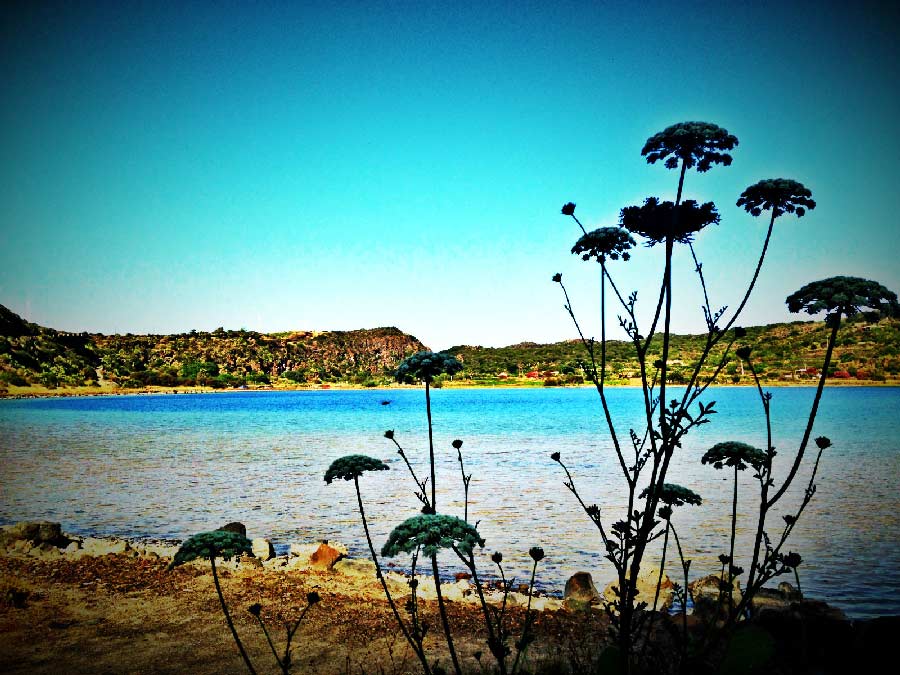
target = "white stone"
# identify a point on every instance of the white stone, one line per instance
(263, 549)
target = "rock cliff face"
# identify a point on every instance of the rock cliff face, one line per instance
(31, 354)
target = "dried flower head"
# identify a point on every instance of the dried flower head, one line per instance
(782, 195)
(215, 544)
(425, 366)
(844, 295)
(823, 442)
(736, 454)
(657, 220)
(389, 434)
(555, 456)
(699, 144)
(353, 466)
(457, 444)
(255, 609)
(603, 243)
(497, 557)
(675, 495)
(313, 597)
(431, 533)
(536, 553)
(557, 278)
(740, 332)
(790, 559)
(743, 353)
(568, 209)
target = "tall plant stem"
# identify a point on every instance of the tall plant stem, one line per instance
(731, 564)
(812, 413)
(412, 643)
(766, 477)
(237, 640)
(443, 610)
(662, 567)
(759, 264)
(525, 630)
(430, 444)
(685, 566)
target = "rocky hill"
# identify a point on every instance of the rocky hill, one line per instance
(31, 354)
(34, 355)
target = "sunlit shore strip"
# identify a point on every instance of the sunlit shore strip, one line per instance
(38, 391)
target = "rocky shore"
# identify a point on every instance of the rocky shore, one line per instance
(85, 605)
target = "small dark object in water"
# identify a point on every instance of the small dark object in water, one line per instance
(385, 402)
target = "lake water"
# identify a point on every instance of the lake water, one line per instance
(170, 466)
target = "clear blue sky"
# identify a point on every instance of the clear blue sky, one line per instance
(275, 166)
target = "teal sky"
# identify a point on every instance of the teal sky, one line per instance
(275, 166)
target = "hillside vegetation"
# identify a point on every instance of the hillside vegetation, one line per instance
(781, 352)
(35, 355)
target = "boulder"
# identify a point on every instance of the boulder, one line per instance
(646, 589)
(97, 547)
(325, 556)
(302, 551)
(37, 532)
(263, 549)
(236, 527)
(580, 592)
(707, 591)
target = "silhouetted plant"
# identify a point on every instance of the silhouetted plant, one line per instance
(672, 495)
(286, 660)
(212, 545)
(429, 533)
(837, 297)
(667, 420)
(351, 467)
(426, 369)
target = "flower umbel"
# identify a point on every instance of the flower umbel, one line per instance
(603, 243)
(215, 544)
(425, 366)
(431, 533)
(654, 220)
(736, 454)
(349, 467)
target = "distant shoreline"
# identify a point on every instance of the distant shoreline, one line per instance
(86, 392)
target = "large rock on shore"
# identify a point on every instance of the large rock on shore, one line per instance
(36, 532)
(263, 549)
(580, 592)
(709, 591)
(646, 589)
(326, 556)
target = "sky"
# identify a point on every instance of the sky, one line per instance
(332, 166)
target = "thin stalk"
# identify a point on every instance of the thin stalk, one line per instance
(686, 567)
(443, 610)
(527, 620)
(766, 476)
(662, 567)
(430, 444)
(731, 564)
(237, 640)
(290, 636)
(812, 414)
(416, 648)
(265, 631)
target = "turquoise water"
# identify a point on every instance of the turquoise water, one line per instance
(169, 466)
